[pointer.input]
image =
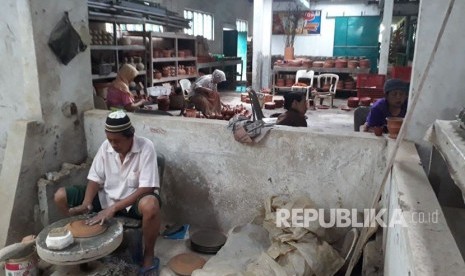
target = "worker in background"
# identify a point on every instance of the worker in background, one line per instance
(394, 104)
(296, 106)
(123, 180)
(204, 93)
(119, 96)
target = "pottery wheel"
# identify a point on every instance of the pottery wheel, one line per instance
(186, 263)
(207, 241)
(82, 250)
(80, 229)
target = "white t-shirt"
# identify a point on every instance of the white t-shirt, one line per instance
(118, 181)
(205, 81)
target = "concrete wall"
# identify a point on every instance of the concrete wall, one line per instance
(423, 247)
(212, 180)
(18, 75)
(442, 96)
(225, 13)
(38, 88)
(322, 44)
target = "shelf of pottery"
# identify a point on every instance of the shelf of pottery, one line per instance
(284, 71)
(109, 53)
(173, 57)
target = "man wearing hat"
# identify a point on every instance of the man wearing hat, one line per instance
(124, 175)
(394, 104)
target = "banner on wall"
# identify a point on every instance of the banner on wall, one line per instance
(309, 22)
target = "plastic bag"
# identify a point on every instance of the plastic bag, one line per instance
(65, 41)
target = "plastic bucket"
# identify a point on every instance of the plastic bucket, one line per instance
(22, 266)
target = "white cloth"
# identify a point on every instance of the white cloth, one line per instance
(118, 181)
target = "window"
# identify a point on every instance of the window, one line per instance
(201, 24)
(241, 25)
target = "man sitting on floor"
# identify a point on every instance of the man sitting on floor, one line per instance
(124, 175)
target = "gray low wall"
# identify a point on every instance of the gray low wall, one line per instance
(212, 180)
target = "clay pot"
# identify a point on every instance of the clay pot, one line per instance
(341, 63)
(364, 63)
(124, 40)
(307, 63)
(378, 131)
(353, 102)
(352, 64)
(318, 63)
(365, 101)
(280, 82)
(191, 112)
(139, 64)
(166, 53)
(268, 98)
(328, 63)
(394, 124)
(289, 82)
(244, 96)
(279, 101)
(157, 75)
(181, 54)
(163, 103)
(270, 105)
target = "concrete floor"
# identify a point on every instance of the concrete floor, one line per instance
(324, 120)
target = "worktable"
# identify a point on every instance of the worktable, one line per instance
(291, 69)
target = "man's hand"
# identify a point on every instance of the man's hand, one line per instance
(80, 210)
(100, 218)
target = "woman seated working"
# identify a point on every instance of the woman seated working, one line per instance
(394, 104)
(204, 93)
(296, 106)
(118, 95)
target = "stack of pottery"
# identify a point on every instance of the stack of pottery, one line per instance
(181, 54)
(166, 71)
(394, 124)
(280, 82)
(290, 82)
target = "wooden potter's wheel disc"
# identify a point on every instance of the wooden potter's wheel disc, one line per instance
(80, 229)
(207, 241)
(186, 263)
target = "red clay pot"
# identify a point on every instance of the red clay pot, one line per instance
(394, 124)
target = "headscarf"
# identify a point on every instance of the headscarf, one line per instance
(125, 75)
(395, 84)
(218, 76)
